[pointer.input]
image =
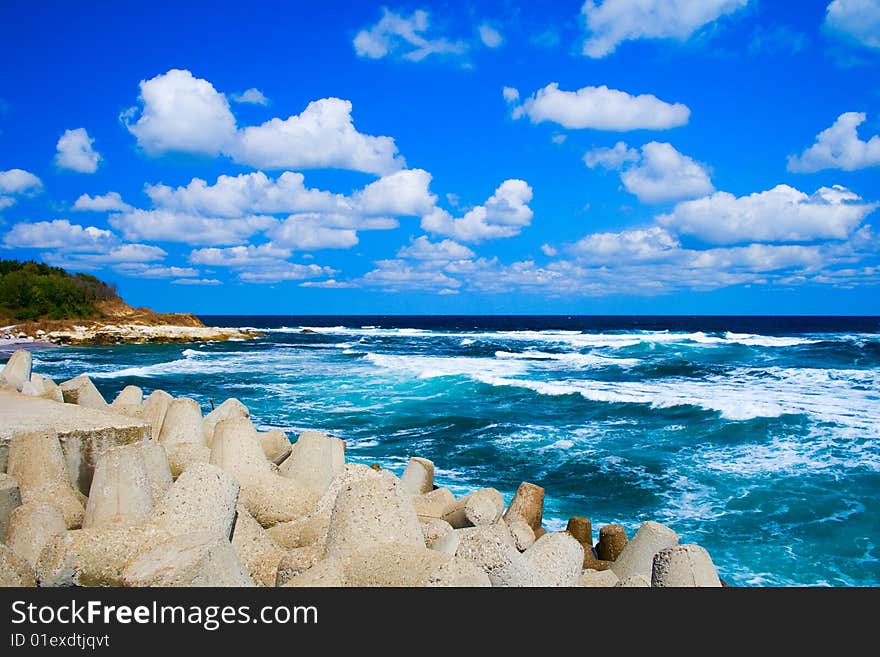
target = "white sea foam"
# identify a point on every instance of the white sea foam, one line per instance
(427, 367)
(568, 359)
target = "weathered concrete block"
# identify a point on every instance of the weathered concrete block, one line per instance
(83, 432)
(527, 504)
(448, 542)
(298, 561)
(392, 565)
(39, 386)
(637, 558)
(433, 529)
(17, 370)
(155, 408)
(120, 491)
(201, 559)
(482, 507)
(523, 535)
(32, 526)
(434, 504)
(82, 392)
(228, 409)
(457, 573)
(276, 445)
(372, 512)
(598, 579)
(14, 571)
(158, 471)
(37, 463)
(182, 423)
(582, 529)
(418, 477)
(183, 455)
(313, 461)
(128, 396)
(633, 582)
(557, 557)
(612, 540)
(10, 499)
(268, 496)
(490, 547)
(327, 573)
(256, 549)
(684, 565)
(203, 499)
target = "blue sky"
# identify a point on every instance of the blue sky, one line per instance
(625, 156)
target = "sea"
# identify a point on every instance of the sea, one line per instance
(756, 437)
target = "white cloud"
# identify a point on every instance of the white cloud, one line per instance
(156, 271)
(285, 271)
(663, 174)
(196, 281)
(109, 202)
(168, 226)
(239, 256)
(641, 245)
(406, 36)
(323, 136)
(401, 193)
(252, 96)
(490, 37)
(311, 232)
(397, 275)
(615, 21)
(511, 94)
(124, 253)
(424, 249)
(601, 108)
(181, 113)
(75, 152)
(59, 234)
(781, 214)
(549, 251)
(14, 182)
(857, 20)
(839, 147)
(611, 158)
(329, 284)
(504, 214)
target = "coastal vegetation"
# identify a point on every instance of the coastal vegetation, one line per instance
(30, 291)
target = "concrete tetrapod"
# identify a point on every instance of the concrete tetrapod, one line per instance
(598, 579)
(182, 435)
(10, 499)
(523, 535)
(684, 565)
(369, 513)
(37, 463)
(269, 497)
(558, 558)
(314, 460)
(17, 370)
(527, 504)
(637, 558)
(435, 504)
(230, 408)
(418, 477)
(32, 526)
(203, 499)
(434, 529)
(155, 408)
(491, 548)
(276, 445)
(158, 471)
(198, 559)
(298, 561)
(129, 401)
(14, 571)
(313, 527)
(82, 392)
(392, 565)
(458, 573)
(121, 491)
(482, 507)
(256, 549)
(612, 540)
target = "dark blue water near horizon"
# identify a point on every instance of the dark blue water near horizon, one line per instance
(756, 437)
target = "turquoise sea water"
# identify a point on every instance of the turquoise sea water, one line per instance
(755, 438)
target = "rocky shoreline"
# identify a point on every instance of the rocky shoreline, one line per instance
(105, 334)
(151, 492)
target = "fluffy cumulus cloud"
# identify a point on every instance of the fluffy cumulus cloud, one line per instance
(839, 147)
(323, 136)
(169, 226)
(399, 275)
(17, 182)
(142, 270)
(181, 113)
(504, 214)
(424, 249)
(611, 158)
(75, 152)
(600, 108)
(252, 96)
(59, 234)
(313, 232)
(856, 20)
(409, 37)
(781, 214)
(402, 193)
(643, 245)
(109, 202)
(264, 263)
(611, 22)
(119, 257)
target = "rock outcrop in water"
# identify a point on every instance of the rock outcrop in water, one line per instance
(148, 492)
